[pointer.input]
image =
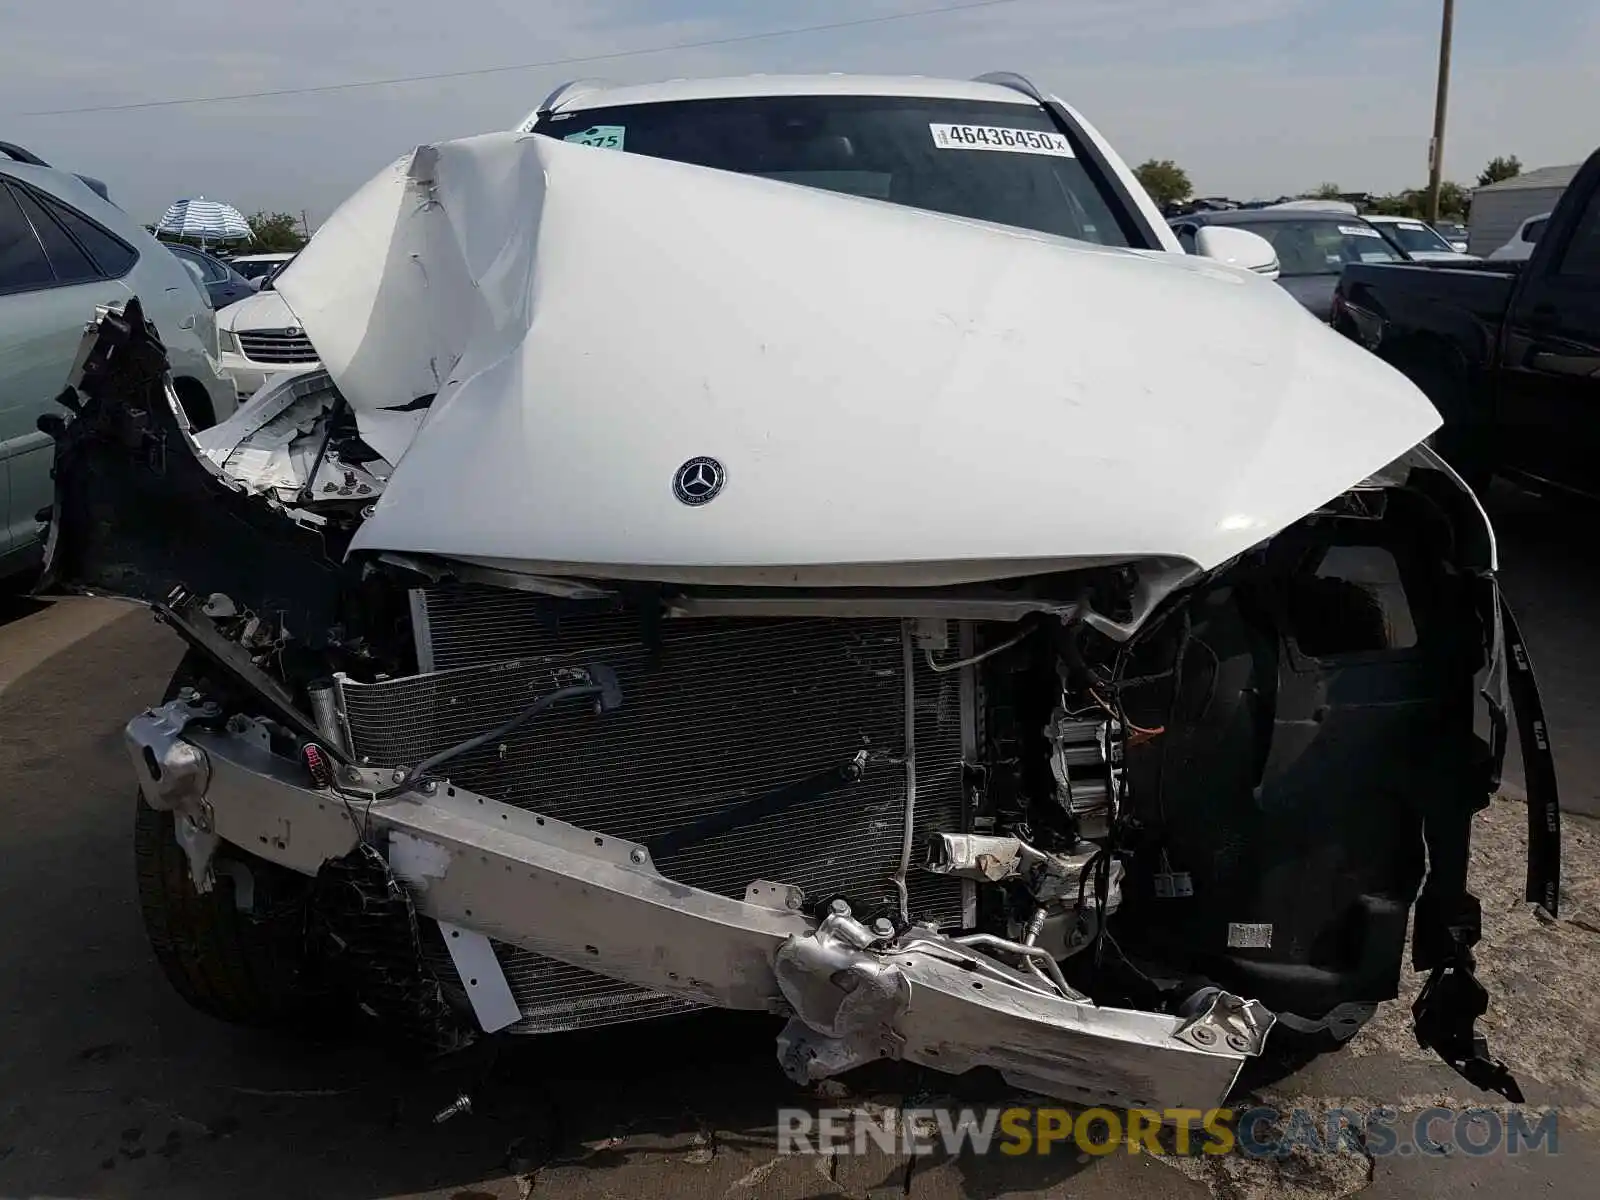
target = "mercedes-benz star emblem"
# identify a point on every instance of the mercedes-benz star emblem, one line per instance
(698, 481)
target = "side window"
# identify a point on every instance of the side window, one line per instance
(1582, 256)
(203, 267)
(111, 254)
(71, 264)
(214, 271)
(23, 265)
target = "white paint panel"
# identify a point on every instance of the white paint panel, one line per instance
(888, 389)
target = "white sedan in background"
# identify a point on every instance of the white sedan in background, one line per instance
(260, 337)
(1421, 241)
(258, 268)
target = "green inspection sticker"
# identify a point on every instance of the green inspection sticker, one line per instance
(608, 136)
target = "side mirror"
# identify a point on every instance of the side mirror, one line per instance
(1239, 247)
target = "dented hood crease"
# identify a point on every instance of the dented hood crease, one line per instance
(883, 386)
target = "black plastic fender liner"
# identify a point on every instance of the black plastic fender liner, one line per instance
(1447, 923)
(1539, 770)
(139, 514)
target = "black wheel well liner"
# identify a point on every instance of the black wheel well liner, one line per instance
(196, 401)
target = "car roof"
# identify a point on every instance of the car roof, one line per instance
(1254, 216)
(586, 95)
(62, 184)
(185, 248)
(272, 256)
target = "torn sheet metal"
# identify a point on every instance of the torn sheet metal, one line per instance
(587, 322)
(279, 443)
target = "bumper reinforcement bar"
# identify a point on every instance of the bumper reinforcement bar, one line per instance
(853, 994)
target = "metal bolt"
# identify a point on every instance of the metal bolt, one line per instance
(883, 927)
(352, 774)
(839, 908)
(637, 856)
(1204, 1034)
(399, 775)
(461, 1104)
(429, 788)
(793, 901)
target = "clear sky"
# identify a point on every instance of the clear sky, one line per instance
(1252, 97)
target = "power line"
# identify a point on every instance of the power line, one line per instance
(707, 43)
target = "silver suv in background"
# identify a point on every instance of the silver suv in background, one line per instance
(65, 250)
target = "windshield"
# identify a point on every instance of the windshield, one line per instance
(255, 268)
(1416, 238)
(274, 270)
(1006, 163)
(1322, 247)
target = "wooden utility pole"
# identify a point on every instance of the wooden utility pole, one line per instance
(1441, 102)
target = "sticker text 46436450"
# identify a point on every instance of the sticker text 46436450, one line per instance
(995, 137)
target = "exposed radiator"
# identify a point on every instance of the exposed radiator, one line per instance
(715, 712)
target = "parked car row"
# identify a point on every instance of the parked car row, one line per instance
(258, 336)
(1313, 246)
(65, 250)
(1508, 350)
(1316, 239)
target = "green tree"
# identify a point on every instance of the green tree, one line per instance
(1454, 200)
(1165, 180)
(1324, 191)
(1399, 204)
(1500, 168)
(275, 232)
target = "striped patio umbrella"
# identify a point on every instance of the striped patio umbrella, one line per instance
(205, 219)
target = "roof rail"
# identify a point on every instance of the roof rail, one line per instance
(1017, 83)
(565, 92)
(97, 186)
(21, 155)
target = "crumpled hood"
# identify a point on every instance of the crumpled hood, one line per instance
(893, 395)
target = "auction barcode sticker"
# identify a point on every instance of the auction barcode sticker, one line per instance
(1007, 141)
(1359, 231)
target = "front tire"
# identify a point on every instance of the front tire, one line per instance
(244, 967)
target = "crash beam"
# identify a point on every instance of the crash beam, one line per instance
(598, 903)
